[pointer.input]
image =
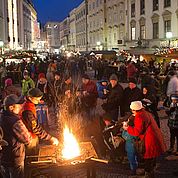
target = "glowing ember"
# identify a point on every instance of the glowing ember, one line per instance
(71, 147)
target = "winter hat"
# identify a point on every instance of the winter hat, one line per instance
(85, 76)
(113, 77)
(57, 73)
(35, 92)
(136, 105)
(8, 82)
(174, 97)
(132, 80)
(41, 75)
(11, 100)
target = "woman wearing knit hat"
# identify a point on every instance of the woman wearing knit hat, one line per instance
(145, 127)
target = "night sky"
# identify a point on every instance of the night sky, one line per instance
(54, 10)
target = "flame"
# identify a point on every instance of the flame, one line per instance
(71, 147)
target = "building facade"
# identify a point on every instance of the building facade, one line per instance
(2, 20)
(53, 36)
(64, 33)
(115, 24)
(72, 28)
(18, 20)
(81, 27)
(97, 31)
(152, 24)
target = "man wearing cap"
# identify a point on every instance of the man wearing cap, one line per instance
(27, 83)
(145, 127)
(30, 119)
(114, 98)
(17, 136)
(131, 93)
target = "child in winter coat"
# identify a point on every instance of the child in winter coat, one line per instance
(102, 87)
(173, 122)
(130, 149)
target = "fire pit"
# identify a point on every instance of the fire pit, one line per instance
(50, 162)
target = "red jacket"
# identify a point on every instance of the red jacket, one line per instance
(131, 70)
(91, 99)
(29, 118)
(154, 143)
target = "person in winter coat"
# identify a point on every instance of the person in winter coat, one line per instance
(17, 136)
(9, 88)
(114, 98)
(102, 88)
(131, 70)
(55, 90)
(29, 118)
(172, 87)
(146, 128)
(131, 93)
(150, 102)
(130, 149)
(173, 123)
(88, 96)
(27, 83)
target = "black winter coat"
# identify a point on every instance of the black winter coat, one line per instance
(114, 98)
(131, 95)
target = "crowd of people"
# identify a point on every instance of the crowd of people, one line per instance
(66, 89)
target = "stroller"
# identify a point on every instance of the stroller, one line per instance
(114, 142)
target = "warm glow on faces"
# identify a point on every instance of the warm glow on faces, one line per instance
(145, 91)
(35, 100)
(15, 108)
(132, 85)
(113, 83)
(134, 112)
(104, 83)
(69, 80)
(85, 81)
(57, 77)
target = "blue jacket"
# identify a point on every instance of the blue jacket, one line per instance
(129, 144)
(100, 89)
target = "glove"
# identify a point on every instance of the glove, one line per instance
(54, 141)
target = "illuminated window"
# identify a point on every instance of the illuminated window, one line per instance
(167, 26)
(133, 33)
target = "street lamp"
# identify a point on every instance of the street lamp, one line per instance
(1, 46)
(169, 36)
